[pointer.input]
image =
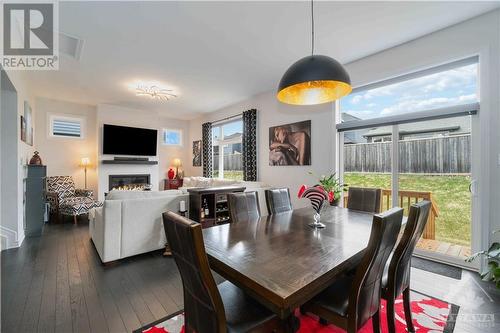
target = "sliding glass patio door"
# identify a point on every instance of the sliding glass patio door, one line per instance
(437, 167)
(413, 138)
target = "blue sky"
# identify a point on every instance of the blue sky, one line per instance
(452, 87)
(229, 128)
(172, 137)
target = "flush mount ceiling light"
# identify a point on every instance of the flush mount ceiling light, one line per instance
(314, 79)
(154, 91)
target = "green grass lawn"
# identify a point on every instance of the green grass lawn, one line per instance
(451, 194)
(230, 174)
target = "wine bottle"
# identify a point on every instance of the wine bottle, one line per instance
(205, 205)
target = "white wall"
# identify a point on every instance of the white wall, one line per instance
(63, 155)
(13, 225)
(110, 114)
(272, 113)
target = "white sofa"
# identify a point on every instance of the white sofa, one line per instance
(130, 222)
(259, 187)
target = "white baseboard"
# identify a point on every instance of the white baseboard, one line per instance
(10, 239)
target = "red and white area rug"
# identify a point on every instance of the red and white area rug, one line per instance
(430, 315)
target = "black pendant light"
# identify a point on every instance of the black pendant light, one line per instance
(314, 79)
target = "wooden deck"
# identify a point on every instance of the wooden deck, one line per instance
(445, 248)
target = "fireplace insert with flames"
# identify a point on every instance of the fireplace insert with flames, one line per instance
(129, 182)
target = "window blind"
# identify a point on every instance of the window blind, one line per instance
(66, 127)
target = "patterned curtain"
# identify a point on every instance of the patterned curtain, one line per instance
(206, 136)
(250, 145)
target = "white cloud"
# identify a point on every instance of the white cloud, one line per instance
(356, 99)
(427, 104)
(455, 78)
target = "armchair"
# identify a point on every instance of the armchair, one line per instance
(64, 199)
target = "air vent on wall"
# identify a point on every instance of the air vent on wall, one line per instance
(70, 46)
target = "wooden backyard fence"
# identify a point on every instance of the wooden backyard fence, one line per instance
(449, 154)
(231, 162)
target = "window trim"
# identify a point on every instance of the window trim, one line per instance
(446, 112)
(181, 135)
(70, 117)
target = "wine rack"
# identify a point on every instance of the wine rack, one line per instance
(213, 198)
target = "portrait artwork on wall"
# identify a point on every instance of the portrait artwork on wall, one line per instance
(197, 153)
(290, 144)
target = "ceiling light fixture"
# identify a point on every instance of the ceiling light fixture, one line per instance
(155, 92)
(314, 79)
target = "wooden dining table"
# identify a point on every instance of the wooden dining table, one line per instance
(282, 262)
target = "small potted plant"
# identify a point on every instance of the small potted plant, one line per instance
(492, 273)
(333, 187)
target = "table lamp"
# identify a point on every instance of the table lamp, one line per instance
(85, 162)
(177, 163)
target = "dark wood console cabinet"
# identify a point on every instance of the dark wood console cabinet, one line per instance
(172, 184)
(216, 198)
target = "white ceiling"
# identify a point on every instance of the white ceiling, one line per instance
(218, 53)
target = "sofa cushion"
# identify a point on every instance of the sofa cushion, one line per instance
(128, 195)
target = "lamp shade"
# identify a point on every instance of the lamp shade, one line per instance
(85, 161)
(177, 162)
(314, 79)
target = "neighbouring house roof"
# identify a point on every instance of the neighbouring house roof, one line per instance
(457, 125)
(348, 117)
(233, 136)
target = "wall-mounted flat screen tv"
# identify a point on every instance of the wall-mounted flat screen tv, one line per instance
(122, 140)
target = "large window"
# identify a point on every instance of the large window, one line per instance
(228, 149)
(411, 137)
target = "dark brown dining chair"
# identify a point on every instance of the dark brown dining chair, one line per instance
(352, 300)
(364, 199)
(209, 308)
(278, 200)
(396, 278)
(243, 206)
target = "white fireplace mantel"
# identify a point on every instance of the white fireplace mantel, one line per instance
(105, 170)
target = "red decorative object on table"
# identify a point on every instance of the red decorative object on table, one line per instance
(171, 173)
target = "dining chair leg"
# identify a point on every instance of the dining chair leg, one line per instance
(407, 307)
(391, 320)
(75, 221)
(376, 322)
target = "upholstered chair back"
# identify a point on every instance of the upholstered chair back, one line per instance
(243, 206)
(64, 186)
(203, 308)
(399, 267)
(364, 301)
(364, 199)
(278, 200)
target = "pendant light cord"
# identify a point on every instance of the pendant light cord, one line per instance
(312, 27)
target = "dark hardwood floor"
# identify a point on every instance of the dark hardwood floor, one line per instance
(56, 283)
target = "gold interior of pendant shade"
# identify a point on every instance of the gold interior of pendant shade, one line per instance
(314, 92)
